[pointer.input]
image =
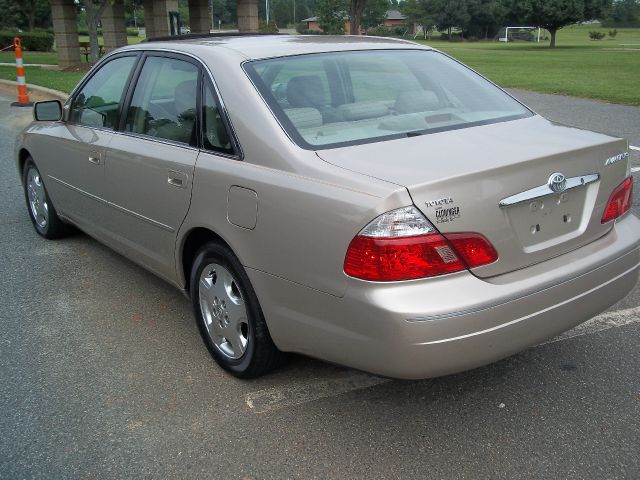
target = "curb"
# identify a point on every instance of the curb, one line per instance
(38, 89)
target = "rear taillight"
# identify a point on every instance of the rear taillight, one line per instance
(620, 201)
(404, 245)
(474, 249)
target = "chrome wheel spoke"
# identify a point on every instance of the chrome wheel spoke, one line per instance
(238, 343)
(236, 312)
(37, 198)
(223, 310)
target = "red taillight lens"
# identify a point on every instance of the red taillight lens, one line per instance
(619, 201)
(474, 248)
(403, 245)
(407, 258)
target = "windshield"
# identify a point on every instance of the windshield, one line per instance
(329, 100)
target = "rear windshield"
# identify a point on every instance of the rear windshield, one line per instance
(330, 100)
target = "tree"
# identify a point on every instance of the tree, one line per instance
(624, 13)
(225, 11)
(356, 9)
(374, 13)
(25, 15)
(553, 14)
(449, 13)
(94, 10)
(482, 22)
(331, 16)
(134, 12)
(417, 14)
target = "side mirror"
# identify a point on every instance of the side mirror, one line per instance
(49, 111)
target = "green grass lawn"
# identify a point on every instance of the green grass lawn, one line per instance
(51, 58)
(607, 69)
(63, 81)
(47, 58)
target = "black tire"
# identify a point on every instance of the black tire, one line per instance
(54, 227)
(261, 355)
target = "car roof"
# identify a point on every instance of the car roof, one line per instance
(253, 47)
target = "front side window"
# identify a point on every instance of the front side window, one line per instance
(343, 98)
(164, 100)
(98, 102)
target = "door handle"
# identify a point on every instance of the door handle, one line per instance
(177, 179)
(94, 160)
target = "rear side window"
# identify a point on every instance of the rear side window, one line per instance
(164, 100)
(216, 137)
(97, 103)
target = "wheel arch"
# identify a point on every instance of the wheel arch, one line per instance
(23, 154)
(191, 242)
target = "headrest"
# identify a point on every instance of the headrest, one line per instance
(417, 101)
(306, 91)
(362, 110)
(185, 94)
(304, 117)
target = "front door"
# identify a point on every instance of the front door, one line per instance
(76, 170)
(150, 164)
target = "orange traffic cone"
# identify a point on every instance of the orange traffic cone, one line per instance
(23, 95)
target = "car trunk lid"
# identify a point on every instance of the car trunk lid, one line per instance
(493, 180)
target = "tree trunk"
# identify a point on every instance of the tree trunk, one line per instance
(94, 12)
(449, 33)
(355, 15)
(552, 44)
(31, 15)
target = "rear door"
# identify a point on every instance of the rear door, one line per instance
(149, 165)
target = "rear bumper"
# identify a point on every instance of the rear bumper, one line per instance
(443, 325)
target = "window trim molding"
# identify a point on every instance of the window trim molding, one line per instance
(133, 83)
(208, 77)
(87, 78)
(234, 142)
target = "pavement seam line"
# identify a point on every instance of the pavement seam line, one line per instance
(275, 398)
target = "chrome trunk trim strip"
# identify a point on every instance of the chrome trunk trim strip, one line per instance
(545, 190)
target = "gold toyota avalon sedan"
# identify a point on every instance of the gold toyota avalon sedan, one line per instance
(369, 202)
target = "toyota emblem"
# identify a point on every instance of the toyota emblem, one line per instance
(557, 182)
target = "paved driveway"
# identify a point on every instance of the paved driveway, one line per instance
(103, 375)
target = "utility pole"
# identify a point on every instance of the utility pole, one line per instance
(266, 6)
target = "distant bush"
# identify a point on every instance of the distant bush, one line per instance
(595, 35)
(133, 32)
(455, 37)
(306, 31)
(613, 33)
(265, 27)
(84, 32)
(31, 41)
(382, 31)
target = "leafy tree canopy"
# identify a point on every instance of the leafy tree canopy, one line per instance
(552, 14)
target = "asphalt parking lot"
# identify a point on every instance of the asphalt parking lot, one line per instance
(103, 375)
